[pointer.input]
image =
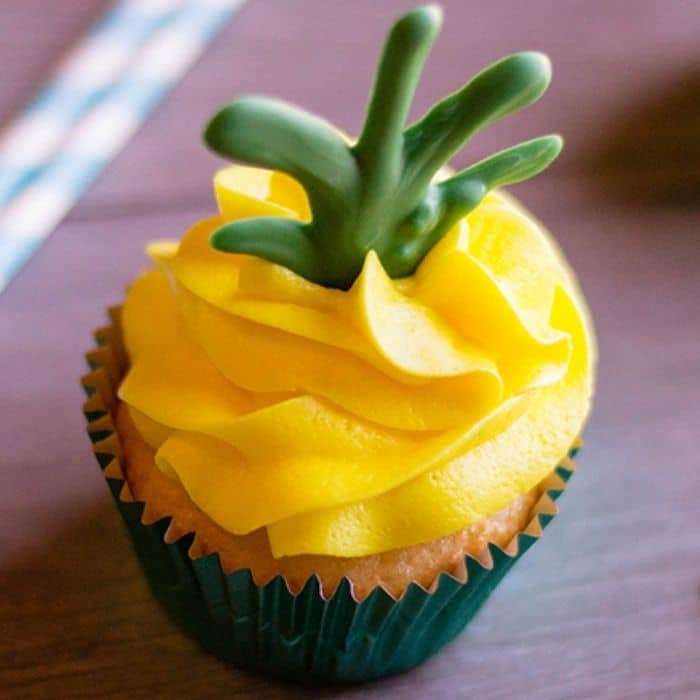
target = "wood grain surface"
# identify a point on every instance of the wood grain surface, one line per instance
(608, 604)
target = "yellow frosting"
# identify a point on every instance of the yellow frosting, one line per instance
(352, 422)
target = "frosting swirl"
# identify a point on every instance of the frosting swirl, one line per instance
(349, 423)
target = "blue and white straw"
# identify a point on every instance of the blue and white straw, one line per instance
(96, 100)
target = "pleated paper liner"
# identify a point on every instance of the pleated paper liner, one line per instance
(306, 636)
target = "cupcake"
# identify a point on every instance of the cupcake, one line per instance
(334, 414)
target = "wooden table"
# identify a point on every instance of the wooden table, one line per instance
(608, 605)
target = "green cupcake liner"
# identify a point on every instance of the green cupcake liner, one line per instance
(306, 636)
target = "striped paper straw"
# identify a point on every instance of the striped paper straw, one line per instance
(96, 100)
